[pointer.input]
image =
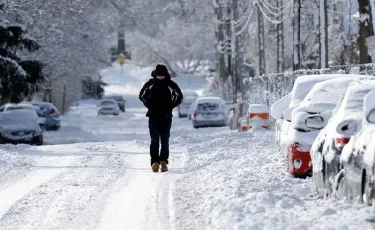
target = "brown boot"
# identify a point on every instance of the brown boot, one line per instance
(155, 167)
(164, 166)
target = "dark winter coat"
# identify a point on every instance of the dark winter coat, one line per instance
(160, 96)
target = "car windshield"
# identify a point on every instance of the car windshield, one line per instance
(207, 107)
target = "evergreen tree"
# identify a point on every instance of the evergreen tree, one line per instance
(18, 78)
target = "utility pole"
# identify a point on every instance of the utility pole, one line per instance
(323, 33)
(229, 38)
(220, 44)
(238, 57)
(297, 35)
(280, 37)
(261, 42)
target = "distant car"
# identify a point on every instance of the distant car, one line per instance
(209, 112)
(41, 118)
(108, 107)
(51, 114)
(344, 122)
(183, 108)
(119, 99)
(20, 126)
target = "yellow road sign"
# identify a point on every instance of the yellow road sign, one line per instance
(121, 59)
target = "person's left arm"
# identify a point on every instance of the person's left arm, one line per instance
(177, 95)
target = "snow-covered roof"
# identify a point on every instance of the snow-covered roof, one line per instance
(258, 108)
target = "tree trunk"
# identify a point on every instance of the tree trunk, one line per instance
(262, 61)
(280, 37)
(323, 34)
(365, 30)
(297, 35)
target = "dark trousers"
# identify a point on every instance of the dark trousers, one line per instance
(159, 133)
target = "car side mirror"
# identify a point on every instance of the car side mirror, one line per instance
(315, 122)
(371, 117)
(347, 127)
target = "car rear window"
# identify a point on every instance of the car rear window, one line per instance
(207, 107)
(107, 103)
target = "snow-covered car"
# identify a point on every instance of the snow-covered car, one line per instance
(321, 99)
(301, 87)
(357, 178)
(277, 111)
(209, 112)
(20, 126)
(183, 108)
(41, 117)
(119, 99)
(108, 107)
(50, 113)
(345, 122)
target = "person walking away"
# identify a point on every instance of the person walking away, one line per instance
(160, 95)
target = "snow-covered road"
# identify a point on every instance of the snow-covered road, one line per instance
(95, 174)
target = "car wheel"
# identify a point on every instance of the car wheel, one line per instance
(38, 140)
(367, 190)
(2, 140)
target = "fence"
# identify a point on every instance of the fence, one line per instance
(269, 88)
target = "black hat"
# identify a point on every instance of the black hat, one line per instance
(161, 70)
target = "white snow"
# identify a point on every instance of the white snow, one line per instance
(278, 108)
(258, 108)
(218, 178)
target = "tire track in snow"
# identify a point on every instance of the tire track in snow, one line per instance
(71, 200)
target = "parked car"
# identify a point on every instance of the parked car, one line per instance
(183, 108)
(51, 114)
(301, 87)
(357, 179)
(41, 118)
(20, 126)
(319, 101)
(277, 111)
(108, 107)
(327, 147)
(209, 112)
(119, 99)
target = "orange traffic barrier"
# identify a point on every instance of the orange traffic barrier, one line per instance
(258, 116)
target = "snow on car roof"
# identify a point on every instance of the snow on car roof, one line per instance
(325, 95)
(210, 100)
(278, 108)
(258, 108)
(369, 103)
(304, 84)
(354, 96)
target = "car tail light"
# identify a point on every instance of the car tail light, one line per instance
(342, 141)
(195, 115)
(53, 112)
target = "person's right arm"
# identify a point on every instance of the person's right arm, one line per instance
(145, 93)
